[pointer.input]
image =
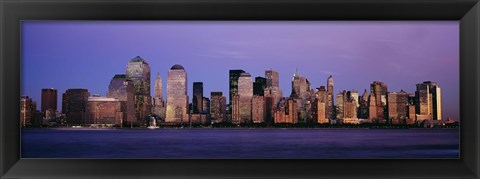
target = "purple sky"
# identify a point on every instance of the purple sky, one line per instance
(86, 54)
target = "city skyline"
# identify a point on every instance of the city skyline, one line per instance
(217, 80)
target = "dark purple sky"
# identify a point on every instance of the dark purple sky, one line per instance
(86, 54)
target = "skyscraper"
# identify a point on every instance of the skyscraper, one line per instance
(218, 106)
(177, 99)
(330, 98)
(379, 91)
(138, 71)
(205, 105)
(257, 109)
(363, 106)
(74, 105)
(158, 103)
(428, 101)
(27, 111)
(272, 86)
(245, 93)
(197, 101)
(397, 107)
(259, 86)
(122, 88)
(320, 106)
(49, 102)
(233, 83)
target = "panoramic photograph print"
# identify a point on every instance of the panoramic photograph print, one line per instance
(240, 89)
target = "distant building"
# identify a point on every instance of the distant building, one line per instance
(320, 106)
(272, 87)
(287, 111)
(177, 99)
(259, 86)
(301, 92)
(218, 107)
(257, 109)
(346, 105)
(27, 111)
(398, 107)
(104, 111)
(245, 93)
(428, 101)
(197, 101)
(138, 71)
(158, 103)
(74, 105)
(205, 105)
(363, 106)
(233, 83)
(236, 109)
(121, 87)
(330, 98)
(379, 113)
(49, 102)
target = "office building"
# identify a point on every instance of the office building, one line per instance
(177, 99)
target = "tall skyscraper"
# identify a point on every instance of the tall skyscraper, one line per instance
(218, 106)
(49, 102)
(245, 93)
(379, 91)
(330, 98)
(320, 106)
(74, 105)
(233, 81)
(257, 109)
(428, 101)
(397, 107)
(272, 87)
(138, 71)
(121, 87)
(158, 103)
(197, 101)
(301, 93)
(177, 99)
(27, 111)
(259, 86)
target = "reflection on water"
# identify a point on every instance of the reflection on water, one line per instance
(240, 143)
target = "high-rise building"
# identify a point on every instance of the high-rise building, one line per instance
(259, 86)
(428, 101)
(177, 99)
(49, 102)
(320, 106)
(379, 91)
(197, 101)
(233, 83)
(138, 71)
(272, 87)
(347, 107)
(27, 111)
(286, 112)
(74, 105)
(218, 106)
(301, 93)
(104, 111)
(245, 93)
(363, 106)
(121, 87)
(330, 98)
(398, 107)
(158, 103)
(236, 109)
(205, 105)
(257, 109)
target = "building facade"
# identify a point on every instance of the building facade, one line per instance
(177, 99)
(330, 98)
(158, 103)
(122, 88)
(27, 111)
(258, 115)
(233, 83)
(398, 107)
(428, 101)
(245, 93)
(74, 105)
(104, 111)
(49, 103)
(218, 106)
(197, 101)
(138, 71)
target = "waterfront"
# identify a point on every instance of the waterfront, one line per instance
(240, 143)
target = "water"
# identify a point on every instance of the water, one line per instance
(240, 143)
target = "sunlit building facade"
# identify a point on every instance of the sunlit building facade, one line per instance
(177, 99)
(138, 71)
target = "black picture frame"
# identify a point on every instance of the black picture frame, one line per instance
(14, 11)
